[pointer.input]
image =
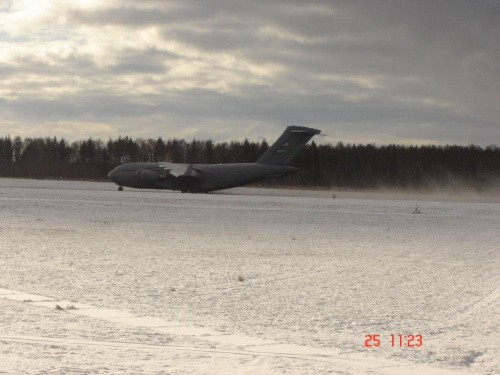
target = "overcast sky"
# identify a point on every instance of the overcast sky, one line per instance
(381, 71)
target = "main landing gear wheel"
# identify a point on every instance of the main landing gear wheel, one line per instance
(120, 188)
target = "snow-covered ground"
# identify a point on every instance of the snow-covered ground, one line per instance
(94, 281)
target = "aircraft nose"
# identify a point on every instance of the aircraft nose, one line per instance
(112, 175)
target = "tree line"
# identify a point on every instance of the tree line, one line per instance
(324, 166)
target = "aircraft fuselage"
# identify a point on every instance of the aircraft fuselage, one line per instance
(196, 177)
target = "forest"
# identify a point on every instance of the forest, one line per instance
(323, 166)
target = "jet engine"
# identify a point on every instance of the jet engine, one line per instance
(148, 176)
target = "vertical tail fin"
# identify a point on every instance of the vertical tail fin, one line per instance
(291, 142)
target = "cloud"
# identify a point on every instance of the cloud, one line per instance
(390, 71)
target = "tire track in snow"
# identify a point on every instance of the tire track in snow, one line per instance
(240, 345)
(356, 364)
(261, 281)
(492, 300)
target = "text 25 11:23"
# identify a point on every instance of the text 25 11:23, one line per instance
(410, 341)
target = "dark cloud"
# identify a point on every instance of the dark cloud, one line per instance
(142, 61)
(214, 41)
(122, 16)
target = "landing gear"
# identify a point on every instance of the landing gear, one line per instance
(120, 188)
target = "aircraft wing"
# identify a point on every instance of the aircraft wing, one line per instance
(181, 170)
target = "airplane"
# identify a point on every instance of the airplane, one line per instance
(203, 178)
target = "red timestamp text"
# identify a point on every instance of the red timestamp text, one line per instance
(396, 340)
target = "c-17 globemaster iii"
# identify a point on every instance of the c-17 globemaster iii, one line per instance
(201, 178)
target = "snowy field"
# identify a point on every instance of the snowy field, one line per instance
(94, 281)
